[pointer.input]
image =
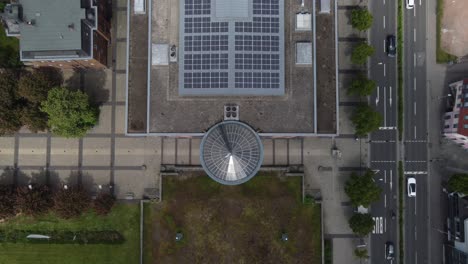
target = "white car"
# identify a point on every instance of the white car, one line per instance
(409, 4)
(411, 182)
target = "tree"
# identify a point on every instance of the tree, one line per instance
(361, 52)
(361, 253)
(10, 105)
(361, 19)
(365, 120)
(362, 190)
(103, 203)
(7, 201)
(34, 86)
(71, 202)
(458, 183)
(362, 86)
(70, 114)
(33, 201)
(361, 224)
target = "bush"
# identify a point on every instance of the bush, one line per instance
(361, 224)
(103, 203)
(361, 52)
(361, 19)
(33, 201)
(7, 201)
(72, 202)
(62, 237)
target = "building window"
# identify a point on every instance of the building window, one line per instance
(456, 115)
(448, 117)
(446, 126)
(458, 105)
(466, 117)
(455, 125)
(465, 126)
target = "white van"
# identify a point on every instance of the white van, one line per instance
(409, 4)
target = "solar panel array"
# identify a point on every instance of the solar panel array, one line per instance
(224, 55)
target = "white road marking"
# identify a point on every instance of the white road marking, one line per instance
(384, 2)
(415, 206)
(381, 225)
(385, 107)
(414, 108)
(384, 70)
(383, 21)
(414, 131)
(385, 201)
(414, 11)
(377, 97)
(390, 96)
(419, 2)
(414, 84)
(414, 33)
(391, 180)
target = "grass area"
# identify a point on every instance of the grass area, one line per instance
(328, 251)
(400, 67)
(441, 55)
(8, 41)
(148, 214)
(401, 188)
(123, 218)
(235, 224)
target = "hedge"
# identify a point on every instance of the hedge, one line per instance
(63, 237)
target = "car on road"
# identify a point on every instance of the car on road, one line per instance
(389, 251)
(391, 46)
(411, 182)
(409, 4)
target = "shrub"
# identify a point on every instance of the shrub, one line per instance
(362, 86)
(71, 202)
(103, 203)
(458, 183)
(33, 201)
(361, 19)
(7, 201)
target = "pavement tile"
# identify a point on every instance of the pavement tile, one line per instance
(104, 123)
(32, 151)
(195, 151)
(344, 53)
(120, 115)
(345, 29)
(120, 85)
(121, 24)
(169, 151)
(64, 152)
(295, 151)
(281, 151)
(96, 152)
(130, 151)
(121, 59)
(268, 152)
(133, 181)
(346, 126)
(183, 151)
(7, 151)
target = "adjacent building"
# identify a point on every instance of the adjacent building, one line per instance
(456, 251)
(60, 33)
(456, 120)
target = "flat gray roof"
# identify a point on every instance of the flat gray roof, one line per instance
(231, 47)
(51, 25)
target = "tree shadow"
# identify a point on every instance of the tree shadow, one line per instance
(54, 75)
(92, 82)
(84, 179)
(14, 176)
(47, 177)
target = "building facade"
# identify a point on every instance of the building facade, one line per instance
(456, 120)
(63, 34)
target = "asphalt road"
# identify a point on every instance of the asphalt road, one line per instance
(383, 143)
(415, 135)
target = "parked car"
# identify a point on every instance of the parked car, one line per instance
(409, 4)
(411, 182)
(391, 46)
(389, 251)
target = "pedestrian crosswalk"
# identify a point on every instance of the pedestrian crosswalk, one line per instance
(378, 225)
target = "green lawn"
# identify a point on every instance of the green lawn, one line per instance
(123, 218)
(233, 224)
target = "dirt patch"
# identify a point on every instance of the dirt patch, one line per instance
(454, 30)
(235, 224)
(326, 71)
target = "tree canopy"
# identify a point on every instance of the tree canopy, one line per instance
(362, 190)
(365, 120)
(361, 52)
(458, 183)
(10, 105)
(361, 19)
(362, 86)
(361, 224)
(70, 114)
(361, 253)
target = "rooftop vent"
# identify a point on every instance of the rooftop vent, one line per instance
(231, 112)
(71, 27)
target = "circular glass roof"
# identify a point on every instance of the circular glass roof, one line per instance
(231, 152)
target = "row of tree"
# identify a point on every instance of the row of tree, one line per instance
(66, 203)
(35, 99)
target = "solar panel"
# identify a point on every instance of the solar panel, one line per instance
(228, 52)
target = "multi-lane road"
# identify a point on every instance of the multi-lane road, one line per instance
(384, 145)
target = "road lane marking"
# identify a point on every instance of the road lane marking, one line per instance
(414, 108)
(415, 132)
(414, 34)
(414, 11)
(385, 107)
(391, 180)
(381, 225)
(390, 96)
(419, 2)
(377, 97)
(415, 172)
(384, 2)
(384, 70)
(414, 59)
(415, 83)
(378, 225)
(415, 205)
(383, 21)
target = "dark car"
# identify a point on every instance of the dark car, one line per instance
(391, 46)
(389, 251)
